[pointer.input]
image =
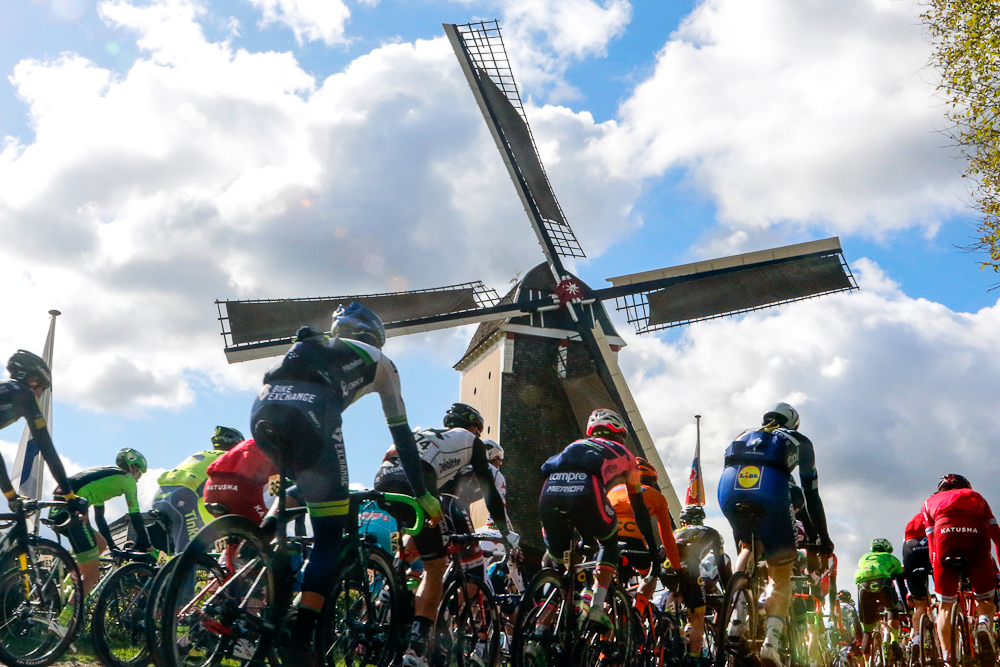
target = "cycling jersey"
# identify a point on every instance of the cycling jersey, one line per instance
(247, 461)
(18, 400)
(192, 471)
(99, 485)
(960, 523)
(604, 459)
(300, 405)
(695, 546)
(916, 556)
(658, 509)
(877, 565)
(379, 524)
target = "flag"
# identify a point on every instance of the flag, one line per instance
(28, 465)
(696, 487)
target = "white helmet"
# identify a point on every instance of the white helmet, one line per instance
(784, 414)
(493, 450)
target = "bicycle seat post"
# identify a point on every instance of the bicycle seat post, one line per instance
(282, 528)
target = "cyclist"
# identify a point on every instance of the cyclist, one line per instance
(180, 494)
(849, 626)
(877, 571)
(916, 566)
(960, 524)
(697, 543)
(628, 531)
(30, 376)
(99, 485)
(575, 497)
(759, 465)
(296, 421)
(444, 453)
(236, 481)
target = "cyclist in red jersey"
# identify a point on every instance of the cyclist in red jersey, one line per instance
(960, 524)
(236, 480)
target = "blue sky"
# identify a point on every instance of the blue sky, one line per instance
(159, 155)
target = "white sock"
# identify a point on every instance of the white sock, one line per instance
(775, 624)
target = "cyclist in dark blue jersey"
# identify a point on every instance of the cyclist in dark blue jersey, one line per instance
(759, 465)
(30, 376)
(296, 422)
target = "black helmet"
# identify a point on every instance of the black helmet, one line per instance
(226, 438)
(24, 365)
(844, 596)
(358, 323)
(953, 481)
(692, 515)
(460, 415)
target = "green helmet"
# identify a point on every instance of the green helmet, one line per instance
(881, 545)
(130, 457)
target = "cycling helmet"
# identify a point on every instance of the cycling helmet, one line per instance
(692, 515)
(129, 457)
(358, 323)
(646, 470)
(226, 438)
(844, 596)
(784, 414)
(881, 545)
(493, 450)
(460, 415)
(24, 365)
(603, 420)
(953, 481)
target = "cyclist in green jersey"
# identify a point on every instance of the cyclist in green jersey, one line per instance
(99, 485)
(876, 572)
(180, 494)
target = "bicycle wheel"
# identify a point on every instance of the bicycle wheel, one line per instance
(962, 653)
(541, 601)
(930, 655)
(467, 627)
(221, 607)
(709, 643)
(669, 647)
(612, 647)
(360, 621)
(739, 625)
(41, 603)
(795, 643)
(118, 626)
(154, 612)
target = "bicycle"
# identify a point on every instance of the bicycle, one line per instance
(965, 648)
(235, 606)
(41, 593)
(741, 628)
(118, 623)
(547, 631)
(467, 626)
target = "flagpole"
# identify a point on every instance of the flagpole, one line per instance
(29, 468)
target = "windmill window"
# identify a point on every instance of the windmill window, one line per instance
(487, 430)
(473, 391)
(489, 376)
(561, 357)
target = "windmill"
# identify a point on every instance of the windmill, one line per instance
(545, 354)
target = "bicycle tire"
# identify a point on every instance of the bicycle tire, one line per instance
(795, 643)
(614, 647)
(154, 612)
(38, 622)
(545, 591)
(467, 631)
(962, 654)
(360, 622)
(669, 647)
(211, 613)
(738, 628)
(930, 654)
(118, 624)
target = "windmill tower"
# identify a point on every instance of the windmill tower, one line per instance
(546, 353)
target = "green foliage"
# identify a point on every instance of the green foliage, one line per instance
(966, 36)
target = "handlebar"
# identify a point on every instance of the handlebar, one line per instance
(30, 506)
(395, 498)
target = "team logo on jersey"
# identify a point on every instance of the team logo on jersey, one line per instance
(748, 478)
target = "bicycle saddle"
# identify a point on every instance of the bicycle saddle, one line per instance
(958, 562)
(217, 509)
(749, 511)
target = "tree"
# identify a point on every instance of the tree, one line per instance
(966, 36)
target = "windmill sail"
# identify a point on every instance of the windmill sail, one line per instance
(680, 295)
(481, 52)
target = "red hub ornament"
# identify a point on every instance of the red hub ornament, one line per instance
(568, 290)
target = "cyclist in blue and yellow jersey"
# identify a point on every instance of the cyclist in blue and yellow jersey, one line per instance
(296, 421)
(759, 465)
(30, 376)
(180, 494)
(99, 485)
